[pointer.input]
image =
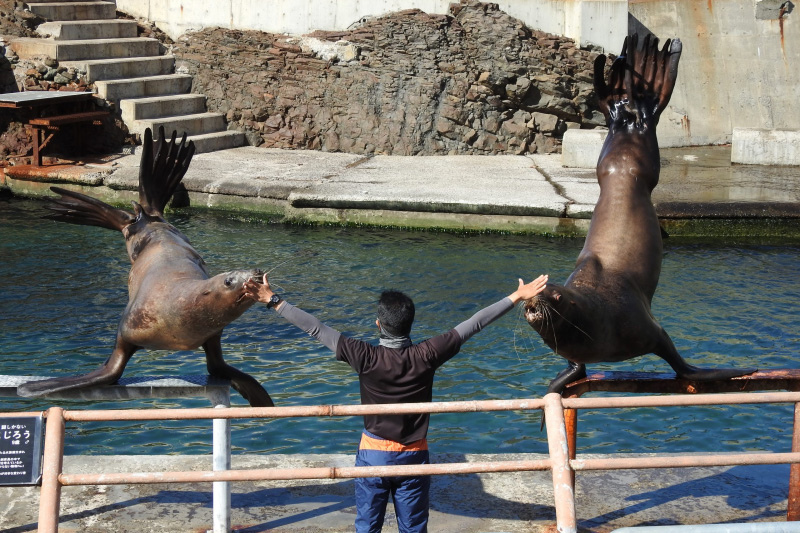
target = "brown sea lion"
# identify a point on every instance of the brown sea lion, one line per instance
(173, 302)
(602, 313)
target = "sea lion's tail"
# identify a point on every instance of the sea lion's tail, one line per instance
(77, 208)
(163, 165)
(640, 82)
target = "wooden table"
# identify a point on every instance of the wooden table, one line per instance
(65, 107)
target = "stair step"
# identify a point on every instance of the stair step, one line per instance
(161, 106)
(196, 124)
(88, 29)
(122, 68)
(219, 140)
(116, 90)
(26, 48)
(74, 10)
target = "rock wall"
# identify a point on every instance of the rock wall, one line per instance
(475, 81)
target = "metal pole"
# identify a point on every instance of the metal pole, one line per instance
(221, 452)
(793, 506)
(50, 495)
(571, 423)
(563, 489)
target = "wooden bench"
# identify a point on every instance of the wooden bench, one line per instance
(41, 127)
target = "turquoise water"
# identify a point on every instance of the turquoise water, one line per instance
(63, 287)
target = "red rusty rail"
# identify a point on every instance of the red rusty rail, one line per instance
(652, 383)
(559, 462)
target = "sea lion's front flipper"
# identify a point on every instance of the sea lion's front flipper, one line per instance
(107, 374)
(250, 389)
(163, 165)
(666, 350)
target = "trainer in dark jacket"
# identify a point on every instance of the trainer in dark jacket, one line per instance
(395, 371)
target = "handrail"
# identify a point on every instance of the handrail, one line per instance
(559, 462)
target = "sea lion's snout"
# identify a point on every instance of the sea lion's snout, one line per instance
(258, 276)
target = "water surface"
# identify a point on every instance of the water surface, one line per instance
(63, 288)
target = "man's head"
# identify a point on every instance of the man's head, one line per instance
(395, 313)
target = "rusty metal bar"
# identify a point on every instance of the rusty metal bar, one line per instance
(563, 489)
(652, 383)
(302, 473)
(684, 461)
(793, 505)
(50, 494)
(304, 411)
(682, 400)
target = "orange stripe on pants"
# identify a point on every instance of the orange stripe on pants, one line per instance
(370, 443)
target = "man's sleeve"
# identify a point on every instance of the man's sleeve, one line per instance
(483, 318)
(311, 325)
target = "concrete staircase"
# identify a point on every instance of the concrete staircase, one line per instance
(127, 70)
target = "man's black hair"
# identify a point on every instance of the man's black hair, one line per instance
(396, 313)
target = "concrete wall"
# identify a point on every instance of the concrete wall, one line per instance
(599, 22)
(740, 66)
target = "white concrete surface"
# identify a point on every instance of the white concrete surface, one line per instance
(600, 22)
(765, 147)
(740, 67)
(581, 148)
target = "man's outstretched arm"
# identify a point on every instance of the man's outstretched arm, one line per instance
(262, 292)
(487, 315)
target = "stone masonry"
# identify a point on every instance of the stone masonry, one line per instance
(475, 81)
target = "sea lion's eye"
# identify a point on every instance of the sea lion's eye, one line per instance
(228, 282)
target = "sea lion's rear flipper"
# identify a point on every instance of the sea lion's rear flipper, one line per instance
(108, 373)
(666, 350)
(640, 82)
(163, 165)
(77, 208)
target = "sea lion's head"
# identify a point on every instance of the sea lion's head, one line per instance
(225, 292)
(558, 316)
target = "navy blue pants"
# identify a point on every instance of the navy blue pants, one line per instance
(409, 494)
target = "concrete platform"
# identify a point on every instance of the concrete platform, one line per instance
(700, 193)
(509, 502)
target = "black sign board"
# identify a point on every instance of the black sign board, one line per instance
(20, 450)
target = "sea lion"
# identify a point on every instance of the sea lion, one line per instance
(602, 313)
(173, 302)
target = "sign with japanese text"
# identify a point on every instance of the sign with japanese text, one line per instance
(20, 450)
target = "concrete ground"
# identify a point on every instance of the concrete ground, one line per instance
(507, 502)
(700, 192)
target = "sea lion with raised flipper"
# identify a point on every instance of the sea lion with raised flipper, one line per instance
(173, 302)
(602, 313)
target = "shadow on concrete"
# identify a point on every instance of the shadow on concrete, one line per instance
(754, 490)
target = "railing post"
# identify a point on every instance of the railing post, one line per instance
(53, 461)
(221, 458)
(571, 423)
(563, 488)
(793, 507)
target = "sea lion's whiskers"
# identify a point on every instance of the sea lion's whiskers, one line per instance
(302, 255)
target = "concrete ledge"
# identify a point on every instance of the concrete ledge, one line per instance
(765, 147)
(581, 148)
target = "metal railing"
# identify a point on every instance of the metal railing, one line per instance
(562, 461)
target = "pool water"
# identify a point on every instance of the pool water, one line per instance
(63, 288)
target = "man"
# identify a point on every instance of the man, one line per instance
(395, 371)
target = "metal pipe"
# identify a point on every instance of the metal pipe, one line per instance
(681, 400)
(273, 474)
(623, 463)
(755, 527)
(306, 411)
(793, 504)
(52, 464)
(563, 489)
(221, 459)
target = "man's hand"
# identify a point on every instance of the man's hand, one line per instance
(260, 292)
(529, 290)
